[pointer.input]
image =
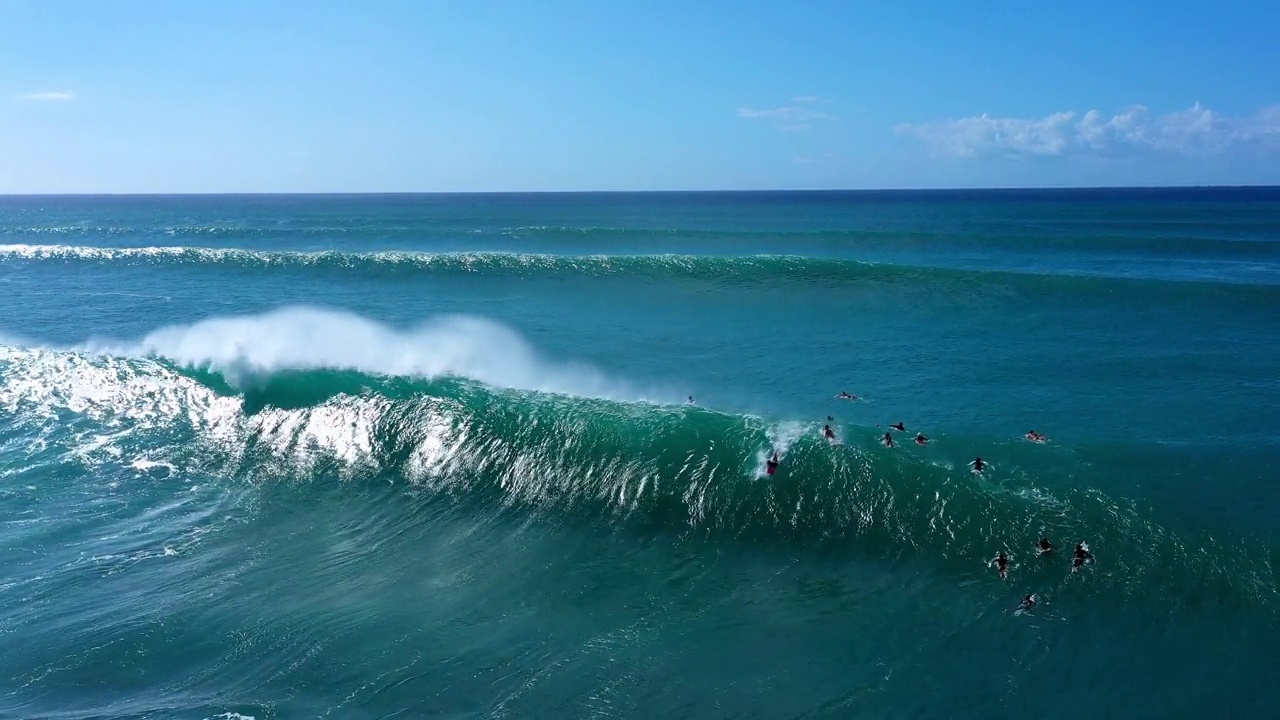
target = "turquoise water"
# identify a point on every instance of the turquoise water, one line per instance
(360, 456)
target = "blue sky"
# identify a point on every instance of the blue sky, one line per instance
(575, 95)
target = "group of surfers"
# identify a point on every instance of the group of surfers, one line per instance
(1001, 561)
(1044, 547)
(978, 464)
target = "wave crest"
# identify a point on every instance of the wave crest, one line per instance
(245, 349)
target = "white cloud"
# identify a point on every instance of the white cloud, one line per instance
(48, 96)
(806, 99)
(1194, 131)
(787, 118)
(825, 158)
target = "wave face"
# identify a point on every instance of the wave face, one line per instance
(463, 409)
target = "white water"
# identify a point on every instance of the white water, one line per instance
(243, 348)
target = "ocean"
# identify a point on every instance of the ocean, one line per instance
(505, 455)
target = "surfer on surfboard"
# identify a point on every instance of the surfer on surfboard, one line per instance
(772, 465)
(1036, 437)
(978, 465)
(887, 439)
(1044, 546)
(828, 433)
(1082, 556)
(921, 439)
(1028, 602)
(899, 427)
(846, 396)
(1001, 562)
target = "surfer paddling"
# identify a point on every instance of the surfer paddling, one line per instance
(1027, 603)
(1036, 437)
(1044, 546)
(887, 440)
(978, 465)
(1082, 556)
(1001, 562)
(899, 427)
(828, 433)
(846, 396)
(921, 439)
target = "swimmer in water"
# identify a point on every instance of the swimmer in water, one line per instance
(1082, 556)
(978, 465)
(921, 439)
(1001, 562)
(1044, 546)
(899, 427)
(1028, 602)
(846, 396)
(827, 433)
(772, 464)
(887, 439)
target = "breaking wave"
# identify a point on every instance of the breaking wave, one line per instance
(465, 411)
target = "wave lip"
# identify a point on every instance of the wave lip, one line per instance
(245, 349)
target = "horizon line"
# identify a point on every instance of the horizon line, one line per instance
(350, 193)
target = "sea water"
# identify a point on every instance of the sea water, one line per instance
(436, 455)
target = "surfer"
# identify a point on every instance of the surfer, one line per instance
(1001, 562)
(772, 465)
(1034, 436)
(690, 399)
(827, 433)
(978, 465)
(1027, 603)
(887, 439)
(846, 396)
(899, 427)
(1082, 556)
(921, 439)
(1044, 545)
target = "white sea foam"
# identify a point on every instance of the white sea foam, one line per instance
(244, 348)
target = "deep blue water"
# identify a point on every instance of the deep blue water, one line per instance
(354, 456)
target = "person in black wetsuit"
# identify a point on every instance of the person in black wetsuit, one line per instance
(1082, 556)
(899, 427)
(1002, 564)
(887, 439)
(921, 439)
(827, 432)
(978, 465)
(1044, 545)
(1028, 602)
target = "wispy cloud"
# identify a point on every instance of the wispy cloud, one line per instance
(1194, 131)
(48, 96)
(825, 158)
(790, 117)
